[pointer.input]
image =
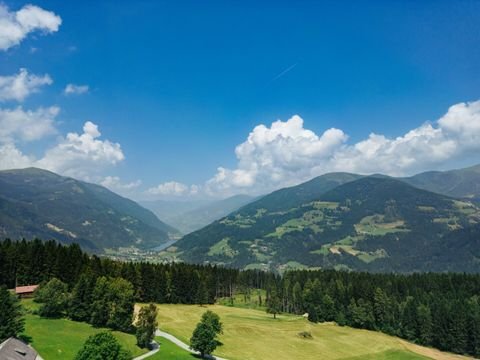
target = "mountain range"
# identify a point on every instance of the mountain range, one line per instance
(426, 222)
(349, 221)
(36, 203)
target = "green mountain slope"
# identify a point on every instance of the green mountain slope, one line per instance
(39, 203)
(461, 183)
(372, 223)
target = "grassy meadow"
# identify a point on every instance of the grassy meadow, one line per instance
(61, 339)
(251, 334)
(170, 351)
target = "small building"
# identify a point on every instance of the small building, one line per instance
(14, 349)
(25, 291)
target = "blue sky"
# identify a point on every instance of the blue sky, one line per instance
(180, 84)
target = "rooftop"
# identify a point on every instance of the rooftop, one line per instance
(25, 289)
(14, 349)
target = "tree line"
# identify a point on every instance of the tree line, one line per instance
(432, 309)
(34, 262)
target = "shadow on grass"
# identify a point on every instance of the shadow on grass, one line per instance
(25, 338)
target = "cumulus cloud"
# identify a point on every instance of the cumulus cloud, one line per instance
(286, 153)
(173, 188)
(19, 86)
(18, 124)
(72, 89)
(79, 155)
(82, 156)
(16, 25)
(114, 183)
(12, 158)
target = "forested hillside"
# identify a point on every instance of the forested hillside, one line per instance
(365, 223)
(439, 310)
(39, 203)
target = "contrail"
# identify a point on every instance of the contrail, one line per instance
(284, 72)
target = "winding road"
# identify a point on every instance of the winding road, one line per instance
(176, 341)
(181, 344)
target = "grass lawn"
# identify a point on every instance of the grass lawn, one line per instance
(254, 335)
(170, 351)
(61, 338)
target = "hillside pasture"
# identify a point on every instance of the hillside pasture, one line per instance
(254, 335)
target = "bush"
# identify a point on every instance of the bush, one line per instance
(102, 346)
(305, 335)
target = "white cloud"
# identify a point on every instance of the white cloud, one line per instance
(15, 26)
(12, 158)
(173, 188)
(286, 153)
(19, 86)
(72, 89)
(80, 155)
(19, 124)
(114, 183)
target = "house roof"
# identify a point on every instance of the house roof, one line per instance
(14, 349)
(25, 289)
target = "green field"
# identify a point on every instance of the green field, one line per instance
(249, 334)
(170, 351)
(61, 338)
(253, 335)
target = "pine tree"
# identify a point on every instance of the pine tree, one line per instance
(11, 315)
(274, 304)
(80, 303)
(100, 305)
(297, 297)
(202, 294)
(425, 325)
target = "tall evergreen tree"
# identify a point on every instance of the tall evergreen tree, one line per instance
(274, 304)
(80, 303)
(425, 325)
(100, 303)
(202, 293)
(11, 315)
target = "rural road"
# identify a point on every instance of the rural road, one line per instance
(155, 349)
(181, 344)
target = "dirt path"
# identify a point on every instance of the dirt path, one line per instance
(432, 353)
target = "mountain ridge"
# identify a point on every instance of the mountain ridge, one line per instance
(373, 223)
(40, 203)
